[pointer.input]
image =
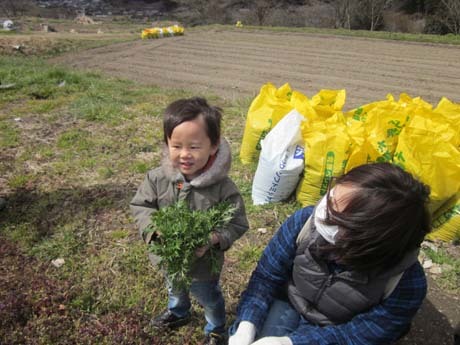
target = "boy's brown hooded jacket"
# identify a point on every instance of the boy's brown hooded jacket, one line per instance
(165, 185)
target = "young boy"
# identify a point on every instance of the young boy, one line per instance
(194, 168)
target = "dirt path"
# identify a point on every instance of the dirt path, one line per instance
(435, 322)
(236, 64)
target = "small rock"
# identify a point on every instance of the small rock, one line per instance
(7, 86)
(427, 264)
(8, 25)
(435, 269)
(262, 230)
(432, 246)
(58, 262)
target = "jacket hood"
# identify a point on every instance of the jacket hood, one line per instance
(216, 172)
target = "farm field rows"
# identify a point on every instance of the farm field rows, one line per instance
(234, 64)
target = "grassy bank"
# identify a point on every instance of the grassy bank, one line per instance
(395, 36)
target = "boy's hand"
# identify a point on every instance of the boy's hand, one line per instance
(199, 252)
(213, 240)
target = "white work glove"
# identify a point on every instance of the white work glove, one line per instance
(273, 341)
(244, 335)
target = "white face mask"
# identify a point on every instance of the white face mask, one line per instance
(328, 232)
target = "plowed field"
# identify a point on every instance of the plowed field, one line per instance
(235, 63)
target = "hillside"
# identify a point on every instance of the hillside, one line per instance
(414, 16)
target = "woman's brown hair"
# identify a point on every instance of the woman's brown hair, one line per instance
(384, 218)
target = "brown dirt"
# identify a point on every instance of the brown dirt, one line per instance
(236, 63)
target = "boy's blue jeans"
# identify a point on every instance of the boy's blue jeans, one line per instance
(209, 296)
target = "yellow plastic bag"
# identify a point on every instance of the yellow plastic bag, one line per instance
(327, 147)
(374, 129)
(446, 221)
(150, 33)
(428, 148)
(302, 104)
(328, 102)
(449, 110)
(270, 106)
(414, 103)
(174, 30)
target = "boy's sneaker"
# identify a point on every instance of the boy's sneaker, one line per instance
(214, 339)
(168, 320)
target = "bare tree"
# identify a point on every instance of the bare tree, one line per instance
(262, 9)
(14, 8)
(344, 12)
(451, 15)
(372, 12)
(206, 11)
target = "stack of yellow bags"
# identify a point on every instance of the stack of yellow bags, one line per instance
(169, 31)
(409, 132)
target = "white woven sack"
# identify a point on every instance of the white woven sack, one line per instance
(281, 161)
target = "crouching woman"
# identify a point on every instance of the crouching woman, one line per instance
(345, 271)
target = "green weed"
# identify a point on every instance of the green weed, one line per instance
(248, 257)
(141, 167)
(119, 234)
(449, 279)
(46, 105)
(105, 172)
(9, 135)
(19, 181)
(75, 139)
(439, 256)
(128, 267)
(66, 242)
(46, 152)
(21, 234)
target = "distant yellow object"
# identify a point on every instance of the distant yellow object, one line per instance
(239, 24)
(169, 31)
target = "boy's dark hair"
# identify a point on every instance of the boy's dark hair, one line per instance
(189, 109)
(385, 218)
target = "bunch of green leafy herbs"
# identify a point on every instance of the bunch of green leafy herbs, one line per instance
(182, 231)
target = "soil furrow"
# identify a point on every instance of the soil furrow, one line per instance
(235, 64)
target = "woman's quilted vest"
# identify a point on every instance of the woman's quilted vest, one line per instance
(325, 297)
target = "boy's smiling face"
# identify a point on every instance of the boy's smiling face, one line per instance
(190, 147)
